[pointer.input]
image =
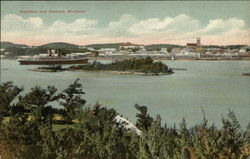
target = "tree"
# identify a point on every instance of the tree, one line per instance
(169, 49)
(184, 134)
(37, 101)
(8, 92)
(144, 121)
(231, 140)
(96, 109)
(200, 50)
(185, 154)
(72, 99)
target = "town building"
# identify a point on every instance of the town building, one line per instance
(108, 50)
(165, 50)
(191, 47)
(242, 50)
(177, 50)
(82, 47)
(90, 48)
(131, 46)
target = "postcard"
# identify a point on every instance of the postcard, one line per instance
(125, 80)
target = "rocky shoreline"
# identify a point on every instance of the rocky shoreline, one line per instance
(46, 70)
(126, 72)
(245, 74)
(114, 72)
(247, 58)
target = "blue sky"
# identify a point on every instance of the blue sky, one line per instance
(147, 22)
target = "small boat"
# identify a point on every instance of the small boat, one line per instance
(172, 58)
(245, 74)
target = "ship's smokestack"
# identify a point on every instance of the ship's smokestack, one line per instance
(49, 52)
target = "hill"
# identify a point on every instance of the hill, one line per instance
(159, 46)
(107, 45)
(59, 45)
(6, 44)
(116, 45)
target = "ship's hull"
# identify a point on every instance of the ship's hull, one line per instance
(53, 61)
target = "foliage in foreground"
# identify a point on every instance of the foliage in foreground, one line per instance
(93, 133)
(136, 65)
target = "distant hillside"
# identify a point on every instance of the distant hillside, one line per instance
(116, 45)
(6, 44)
(107, 45)
(211, 46)
(159, 46)
(235, 46)
(59, 45)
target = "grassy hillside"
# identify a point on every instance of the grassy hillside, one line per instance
(58, 45)
(159, 46)
(116, 45)
(6, 44)
(107, 45)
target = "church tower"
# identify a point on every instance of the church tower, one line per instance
(198, 41)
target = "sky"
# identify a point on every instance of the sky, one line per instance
(148, 22)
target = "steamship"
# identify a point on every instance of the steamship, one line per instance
(53, 57)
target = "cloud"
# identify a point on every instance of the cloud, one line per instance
(120, 27)
(13, 22)
(179, 29)
(220, 26)
(79, 26)
(180, 23)
(183, 28)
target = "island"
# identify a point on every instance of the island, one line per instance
(49, 69)
(246, 74)
(142, 66)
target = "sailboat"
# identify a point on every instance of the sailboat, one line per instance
(172, 58)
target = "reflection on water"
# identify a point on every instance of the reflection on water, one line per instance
(214, 85)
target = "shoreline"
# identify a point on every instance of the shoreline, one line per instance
(125, 72)
(245, 58)
(46, 70)
(113, 72)
(181, 58)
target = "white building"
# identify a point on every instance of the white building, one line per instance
(177, 51)
(108, 50)
(90, 48)
(165, 50)
(127, 124)
(191, 47)
(131, 46)
(82, 47)
(242, 50)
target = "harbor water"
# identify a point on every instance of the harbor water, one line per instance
(215, 86)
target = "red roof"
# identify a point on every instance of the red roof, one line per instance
(191, 44)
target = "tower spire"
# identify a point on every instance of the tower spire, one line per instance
(198, 41)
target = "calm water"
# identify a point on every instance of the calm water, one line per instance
(214, 85)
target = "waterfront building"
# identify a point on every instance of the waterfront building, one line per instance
(165, 50)
(191, 47)
(213, 50)
(82, 47)
(242, 50)
(108, 50)
(90, 48)
(177, 50)
(131, 46)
